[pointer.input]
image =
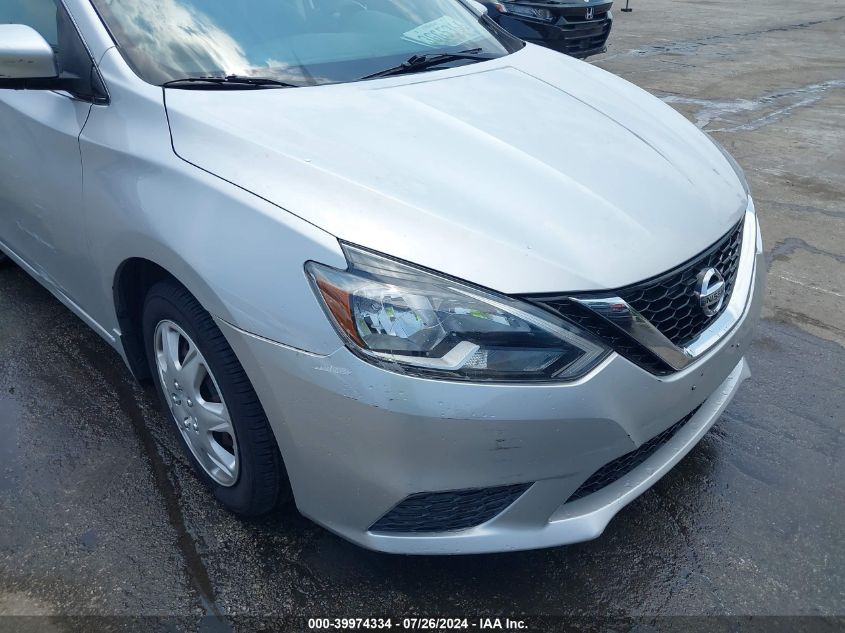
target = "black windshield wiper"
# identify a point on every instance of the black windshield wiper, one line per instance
(421, 62)
(228, 82)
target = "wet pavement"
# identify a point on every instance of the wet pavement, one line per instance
(100, 513)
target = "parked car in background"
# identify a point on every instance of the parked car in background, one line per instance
(579, 28)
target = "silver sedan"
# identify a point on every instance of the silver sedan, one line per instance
(448, 292)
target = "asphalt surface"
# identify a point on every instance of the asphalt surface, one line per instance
(100, 513)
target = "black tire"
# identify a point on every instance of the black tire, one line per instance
(262, 480)
(3, 258)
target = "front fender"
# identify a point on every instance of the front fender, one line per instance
(241, 256)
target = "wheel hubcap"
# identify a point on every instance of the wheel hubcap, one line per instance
(196, 403)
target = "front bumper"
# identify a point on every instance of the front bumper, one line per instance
(357, 440)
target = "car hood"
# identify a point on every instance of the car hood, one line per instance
(528, 174)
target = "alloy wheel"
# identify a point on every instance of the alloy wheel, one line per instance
(196, 403)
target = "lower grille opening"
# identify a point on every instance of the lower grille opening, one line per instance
(448, 511)
(621, 466)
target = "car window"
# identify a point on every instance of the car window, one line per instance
(39, 14)
(298, 41)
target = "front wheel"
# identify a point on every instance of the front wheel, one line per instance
(218, 417)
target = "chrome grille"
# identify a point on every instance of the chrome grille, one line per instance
(669, 302)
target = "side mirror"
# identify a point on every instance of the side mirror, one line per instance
(479, 8)
(25, 57)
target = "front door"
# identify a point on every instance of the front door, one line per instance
(41, 219)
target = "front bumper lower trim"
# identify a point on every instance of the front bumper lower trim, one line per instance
(575, 521)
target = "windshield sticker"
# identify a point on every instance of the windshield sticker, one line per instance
(444, 31)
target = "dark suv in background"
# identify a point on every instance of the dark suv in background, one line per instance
(576, 27)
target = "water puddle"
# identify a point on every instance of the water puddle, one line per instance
(746, 115)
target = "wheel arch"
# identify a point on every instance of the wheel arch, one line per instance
(133, 279)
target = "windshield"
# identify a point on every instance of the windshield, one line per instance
(306, 42)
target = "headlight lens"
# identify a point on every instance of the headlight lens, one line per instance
(413, 321)
(530, 12)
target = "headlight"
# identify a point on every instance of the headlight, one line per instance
(529, 12)
(413, 321)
